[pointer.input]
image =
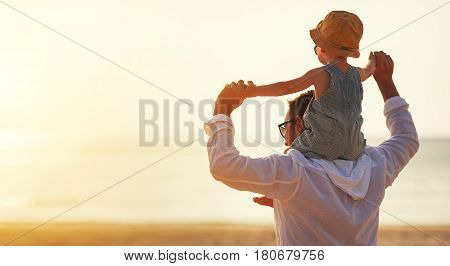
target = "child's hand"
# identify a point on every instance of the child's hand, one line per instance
(368, 71)
(372, 57)
(248, 89)
(372, 62)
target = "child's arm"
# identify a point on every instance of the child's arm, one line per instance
(285, 87)
(367, 71)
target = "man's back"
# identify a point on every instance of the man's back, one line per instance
(321, 213)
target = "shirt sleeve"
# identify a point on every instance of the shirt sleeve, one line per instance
(276, 176)
(403, 143)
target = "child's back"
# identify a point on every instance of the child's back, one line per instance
(333, 122)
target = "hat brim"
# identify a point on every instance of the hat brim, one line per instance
(319, 41)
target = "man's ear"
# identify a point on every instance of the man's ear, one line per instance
(299, 124)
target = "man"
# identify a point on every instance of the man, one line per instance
(317, 202)
(290, 129)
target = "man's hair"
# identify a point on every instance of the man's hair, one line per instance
(297, 107)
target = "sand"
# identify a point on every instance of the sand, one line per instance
(84, 234)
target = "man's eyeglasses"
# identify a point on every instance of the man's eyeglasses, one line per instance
(282, 127)
(315, 49)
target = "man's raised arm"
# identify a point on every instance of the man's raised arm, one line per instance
(404, 142)
(275, 176)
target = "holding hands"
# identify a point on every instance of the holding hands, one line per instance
(232, 96)
(383, 75)
(247, 90)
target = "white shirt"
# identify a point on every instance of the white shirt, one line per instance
(318, 202)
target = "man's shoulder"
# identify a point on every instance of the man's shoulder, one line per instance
(304, 162)
(374, 153)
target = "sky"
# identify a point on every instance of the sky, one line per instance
(72, 73)
(51, 86)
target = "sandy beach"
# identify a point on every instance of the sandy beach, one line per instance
(79, 234)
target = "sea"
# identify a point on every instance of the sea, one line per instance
(174, 185)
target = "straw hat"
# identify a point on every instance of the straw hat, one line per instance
(340, 33)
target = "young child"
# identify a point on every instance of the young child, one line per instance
(333, 120)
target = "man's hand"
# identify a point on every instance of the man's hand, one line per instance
(383, 75)
(264, 201)
(230, 98)
(385, 67)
